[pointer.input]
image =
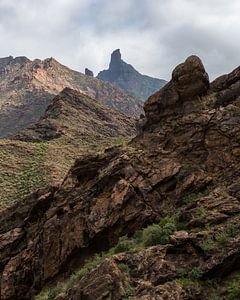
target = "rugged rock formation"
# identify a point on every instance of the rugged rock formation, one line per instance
(126, 77)
(77, 116)
(227, 88)
(89, 72)
(189, 82)
(27, 88)
(185, 163)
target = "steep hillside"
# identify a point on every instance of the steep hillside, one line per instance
(124, 75)
(77, 116)
(162, 213)
(27, 88)
(73, 124)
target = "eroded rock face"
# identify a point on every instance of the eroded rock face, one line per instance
(185, 161)
(227, 88)
(189, 82)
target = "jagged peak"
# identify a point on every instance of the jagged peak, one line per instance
(116, 56)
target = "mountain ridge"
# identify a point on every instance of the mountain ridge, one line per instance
(77, 116)
(27, 87)
(125, 76)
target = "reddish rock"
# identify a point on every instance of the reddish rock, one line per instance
(185, 163)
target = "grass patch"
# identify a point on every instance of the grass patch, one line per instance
(32, 176)
(26, 166)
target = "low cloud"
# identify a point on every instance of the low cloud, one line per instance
(153, 35)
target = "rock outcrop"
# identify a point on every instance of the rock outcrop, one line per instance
(189, 82)
(227, 88)
(77, 116)
(124, 76)
(185, 163)
(89, 72)
(28, 87)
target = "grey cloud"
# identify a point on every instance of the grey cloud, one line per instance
(154, 35)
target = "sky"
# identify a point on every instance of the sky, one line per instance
(153, 35)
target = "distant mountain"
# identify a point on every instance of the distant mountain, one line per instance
(27, 88)
(124, 75)
(77, 116)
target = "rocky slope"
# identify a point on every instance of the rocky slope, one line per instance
(181, 174)
(27, 88)
(77, 116)
(42, 154)
(123, 75)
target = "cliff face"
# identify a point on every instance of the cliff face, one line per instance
(27, 88)
(183, 167)
(127, 78)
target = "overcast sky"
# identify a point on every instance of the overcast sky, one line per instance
(153, 35)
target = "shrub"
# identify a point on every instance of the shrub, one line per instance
(124, 245)
(190, 198)
(158, 233)
(202, 212)
(221, 237)
(124, 268)
(207, 244)
(195, 274)
(185, 282)
(234, 289)
(152, 235)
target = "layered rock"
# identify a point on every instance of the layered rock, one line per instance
(123, 75)
(28, 87)
(189, 82)
(227, 88)
(186, 161)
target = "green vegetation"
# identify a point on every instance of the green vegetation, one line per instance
(187, 283)
(32, 176)
(202, 212)
(220, 237)
(124, 268)
(208, 244)
(190, 198)
(234, 289)
(26, 166)
(209, 100)
(195, 274)
(152, 235)
(175, 125)
(191, 281)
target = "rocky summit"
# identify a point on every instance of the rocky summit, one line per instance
(124, 76)
(28, 87)
(158, 218)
